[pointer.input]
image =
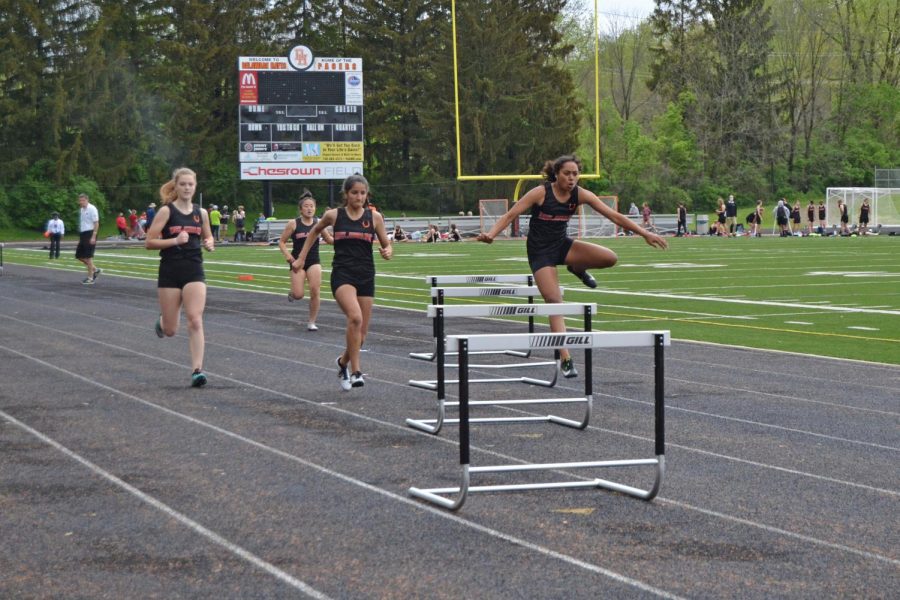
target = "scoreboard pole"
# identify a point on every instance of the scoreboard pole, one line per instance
(267, 198)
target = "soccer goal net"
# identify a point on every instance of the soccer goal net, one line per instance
(589, 223)
(884, 203)
(490, 212)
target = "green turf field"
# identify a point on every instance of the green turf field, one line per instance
(827, 296)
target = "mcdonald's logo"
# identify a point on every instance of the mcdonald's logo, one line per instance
(248, 78)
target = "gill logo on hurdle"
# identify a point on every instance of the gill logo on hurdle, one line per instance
(558, 341)
(498, 292)
(481, 279)
(513, 310)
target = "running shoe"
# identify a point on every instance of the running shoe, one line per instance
(356, 380)
(568, 368)
(585, 278)
(198, 379)
(312, 327)
(291, 297)
(344, 375)
(158, 327)
(87, 281)
(97, 271)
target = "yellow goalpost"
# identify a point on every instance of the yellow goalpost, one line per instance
(524, 177)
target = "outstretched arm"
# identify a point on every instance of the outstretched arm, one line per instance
(587, 197)
(518, 208)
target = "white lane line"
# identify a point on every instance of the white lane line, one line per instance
(324, 470)
(165, 508)
(861, 328)
(822, 307)
(761, 526)
(798, 323)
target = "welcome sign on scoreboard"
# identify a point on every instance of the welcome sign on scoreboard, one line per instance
(300, 116)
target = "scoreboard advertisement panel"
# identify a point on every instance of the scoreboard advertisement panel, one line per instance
(300, 117)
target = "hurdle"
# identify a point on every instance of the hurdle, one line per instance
(1, 258)
(436, 281)
(440, 312)
(472, 292)
(588, 341)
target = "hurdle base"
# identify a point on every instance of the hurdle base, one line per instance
(432, 384)
(436, 495)
(430, 356)
(433, 426)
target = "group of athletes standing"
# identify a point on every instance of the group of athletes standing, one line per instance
(181, 229)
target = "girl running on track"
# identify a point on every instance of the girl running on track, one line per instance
(354, 228)
(179, 231)
(298, 230)
(551, 206)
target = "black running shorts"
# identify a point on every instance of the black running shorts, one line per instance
(549, 256)
(364, 283)
(178, 273)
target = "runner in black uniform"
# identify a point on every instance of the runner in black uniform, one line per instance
(179, 231)
(354, 228)
(552, 205)
(810, 216)
(298, 230)
(822, 222)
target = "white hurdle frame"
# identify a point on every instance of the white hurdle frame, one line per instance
(588, 341)
(440, 312)
(437, 281)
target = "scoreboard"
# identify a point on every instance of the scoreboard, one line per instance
(300, 117)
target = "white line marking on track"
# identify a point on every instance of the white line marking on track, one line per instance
(325, 470)
(861, 328)
(165, 508)
(798, 323)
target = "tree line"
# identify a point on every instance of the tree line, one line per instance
(705, 98)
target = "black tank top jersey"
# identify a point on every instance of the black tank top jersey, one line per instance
(301, 232)
(864, 213)
(549, 220)
(822, 213)
(811, 212)
(353, 242)
(178, 222)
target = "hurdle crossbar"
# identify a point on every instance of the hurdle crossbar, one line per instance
(1, 258)
(588, 341)
(439, 281)
(439, 312)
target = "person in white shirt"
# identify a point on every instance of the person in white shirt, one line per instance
(56, 229)
(88, 226)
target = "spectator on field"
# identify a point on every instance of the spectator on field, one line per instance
(822, 222)
(432, 235)
(633, 210)
(151, 212)
(864, 210)
(756, 224)
(646, 213)
(215, 221)
(239, 217)
(720, 217)
(682, 220)
(795, 218)
(731, 216)
(399, 235)
(845, 217)
(453, 235)
(782, 214)
(223, 231)
(56, 229)
(810, 217)
(122, 226)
